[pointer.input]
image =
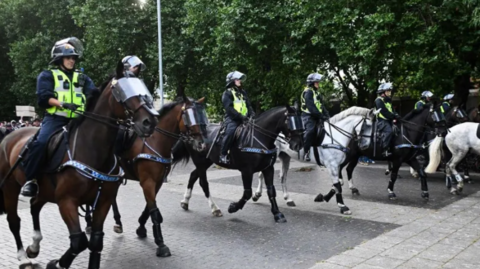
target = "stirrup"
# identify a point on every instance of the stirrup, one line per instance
(224, 159)
(306, 157)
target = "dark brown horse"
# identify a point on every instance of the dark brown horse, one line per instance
(149, 162)
(122, 100)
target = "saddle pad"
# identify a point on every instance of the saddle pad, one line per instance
(55, 153)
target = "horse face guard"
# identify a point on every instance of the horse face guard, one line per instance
(460, 114)
(295, 130)
(195, 120)
(126, 88)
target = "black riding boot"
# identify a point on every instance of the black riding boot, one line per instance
(30, 189)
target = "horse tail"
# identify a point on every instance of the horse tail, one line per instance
(180, 153)
(435, 154)
(2, 203)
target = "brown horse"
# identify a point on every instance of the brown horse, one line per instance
(149, 162)
(87, 179)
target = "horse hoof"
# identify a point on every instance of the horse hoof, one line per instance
(27, 266)
(88, 230)
(291, 203)
(387, 172)
(280, 218)
(31, 254)
(217, 213)
(425, 195)
(454, 192)
(319, 198)
(355, 191)
(163, 252)
(52, 264)
(460, 189)
(118, 229)
(184, 205)
(232, 208)
(142, 232)
(345, 210)
(392, 196)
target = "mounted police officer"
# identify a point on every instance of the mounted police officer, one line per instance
(132, 67)
(447, 103)
(133, 64)
(425, 99)
(62, 91)
(313, 111)
(237, 110)
(386, 115)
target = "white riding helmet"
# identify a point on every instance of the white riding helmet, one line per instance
(235, 75)
(427, 94)
(314, 77)
(385, 87)
(132, 61)
(448, 97)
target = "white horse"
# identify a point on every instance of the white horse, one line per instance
(332, 152)
(461, 139)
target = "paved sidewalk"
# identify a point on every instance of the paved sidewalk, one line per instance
(407, 233)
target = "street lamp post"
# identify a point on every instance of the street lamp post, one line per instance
(160, 70)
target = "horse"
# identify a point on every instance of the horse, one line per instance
(148, 160)
(89, 173)
(460, 140)
(413, 129)
(258, 155)
(330, 152)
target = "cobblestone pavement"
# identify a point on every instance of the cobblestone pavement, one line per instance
(407, 233)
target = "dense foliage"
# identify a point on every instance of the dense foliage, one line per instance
(418, 44)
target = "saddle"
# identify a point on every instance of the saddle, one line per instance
(54, 155)
(320, 130)
(242, 138)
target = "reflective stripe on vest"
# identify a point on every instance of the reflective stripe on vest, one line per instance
(67, 92)
(419, 102)
(388, 105)
(441, 107)
(316, 100)
(239, 103)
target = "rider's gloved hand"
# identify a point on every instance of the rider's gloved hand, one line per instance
(70, 106)
(325, 117)
(396, 116)
(244, 118)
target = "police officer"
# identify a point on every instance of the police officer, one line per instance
(61, 90)
(386, 115)
(424, 99)
(237, 110)
(447, 103)
(313, 111)
(133, 64)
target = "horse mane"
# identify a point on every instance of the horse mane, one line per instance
(270, 111)
(167, 108)
(91, 103)
(354, 110)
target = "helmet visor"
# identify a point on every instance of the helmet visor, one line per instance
(75, 42)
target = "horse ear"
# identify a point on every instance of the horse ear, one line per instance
(289, 108)
(119, 70)
(201, 100)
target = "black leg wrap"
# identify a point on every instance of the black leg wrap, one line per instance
(338, 187)
(247, 194)
(78, 243)
(156, 216)
(339, 199)
(96, 247)
(329, 195)
(271, 191)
